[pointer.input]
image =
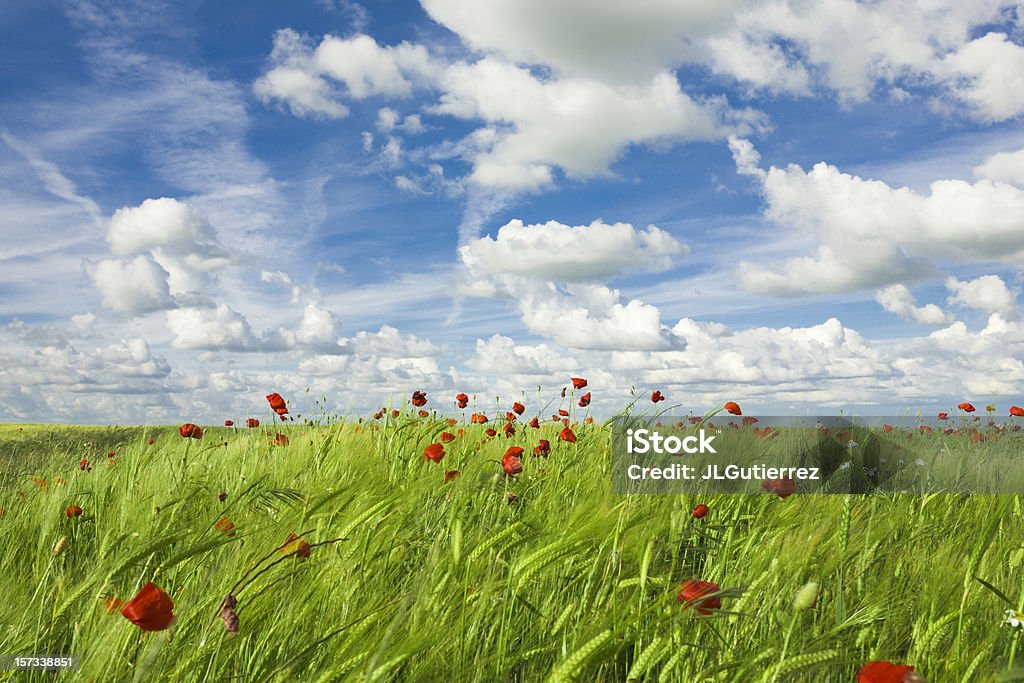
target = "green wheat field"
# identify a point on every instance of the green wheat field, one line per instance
(415, 575)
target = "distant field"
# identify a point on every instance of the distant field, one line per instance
(483, 577)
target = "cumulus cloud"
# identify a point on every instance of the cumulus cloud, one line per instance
(292, 80)
(856, 49)
(501, 356)
(300, 74)
(553, 251)
(898, 300)
(221, 328)
(594, 317)
(552, 121)
(600, 39)
(58, 382)
(132, 287)
(531, 125)
(175, 251)
(988, 75)
(988, 294)
(318, 328)
(1007, 167)
(874, 234)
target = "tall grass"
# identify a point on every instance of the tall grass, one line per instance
(419, 579)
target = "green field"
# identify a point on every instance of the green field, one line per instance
(410, 577)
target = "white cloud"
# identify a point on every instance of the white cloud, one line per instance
(594, 317)
(531, 125)
(176, 236)
(988, 75)
(221, 328)
(553, 122)
(318, 329)
(898, 300)
(599, 39)
(854, 49)
(553, 251)
(1007, 167)
(501, 356)
(987, 293)
(874, 234)
(133, 287)
(292, 80)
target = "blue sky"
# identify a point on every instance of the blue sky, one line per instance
(801, 206)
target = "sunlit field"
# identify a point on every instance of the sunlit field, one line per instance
(354, 550)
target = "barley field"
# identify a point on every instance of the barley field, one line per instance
(351, 556)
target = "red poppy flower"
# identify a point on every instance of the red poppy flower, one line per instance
(151, 609)
(700, 511)
(656, 397)
(447, 437)
(747, 421)
(509, 430)
(966, 407)
(294, 544)
(190, 431)
(695, 593)
(542, 448)
(535, 423)
(478, 419)
(518, 408)
(424, 413)
(462, 400)
(419, 399)
(451, 475)
(695, 419)
(883, 672)
(563, 413)
(490, 432)
(1017, 411)
(578, 382)
(783, 487)
(112, 604)
(229, 423)
(567, 435)
(924, 429)
(434, 452)
(887, 428)
(225, 526)
(511, 462)
(83, 464)
(252, 423)
(395, 413)
(585, 400)
(510, 416)
(277, 404)
(379, 414)
(766, 433)
(943, 416)
(73, 511)
(733, 408)
(280, 440)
